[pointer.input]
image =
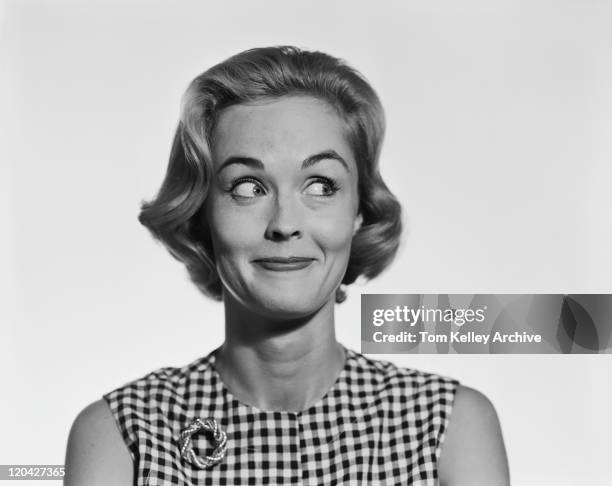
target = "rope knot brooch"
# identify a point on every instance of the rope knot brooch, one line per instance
(218, 437)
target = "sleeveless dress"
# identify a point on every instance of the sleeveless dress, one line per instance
(378, 424)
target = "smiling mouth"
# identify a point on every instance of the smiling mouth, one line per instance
(278, 264)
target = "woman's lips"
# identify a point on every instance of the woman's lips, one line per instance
(277, 264)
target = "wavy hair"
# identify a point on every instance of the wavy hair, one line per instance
(176, 215)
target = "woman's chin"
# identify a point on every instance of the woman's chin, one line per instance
(285, 304)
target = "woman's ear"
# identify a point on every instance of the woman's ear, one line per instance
(358, 221)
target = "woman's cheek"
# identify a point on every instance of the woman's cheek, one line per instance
(234, 222)
(237, 234)
(334, 231)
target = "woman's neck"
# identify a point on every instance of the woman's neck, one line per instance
(284, 366)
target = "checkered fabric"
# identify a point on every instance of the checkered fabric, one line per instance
(378, 424)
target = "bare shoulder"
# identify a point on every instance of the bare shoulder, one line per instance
(473, 451)
(96, 453)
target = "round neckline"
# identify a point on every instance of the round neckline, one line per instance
(253, 409)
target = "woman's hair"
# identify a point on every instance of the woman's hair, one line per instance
(176, 216)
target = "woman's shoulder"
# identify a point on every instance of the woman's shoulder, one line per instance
(473, 451)
(164, 380)
(96, 452)
(407, 381)
(459, 420)
(104, 436)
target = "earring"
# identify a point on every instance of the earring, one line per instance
(358, 223)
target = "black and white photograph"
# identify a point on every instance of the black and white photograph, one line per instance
(204, 202)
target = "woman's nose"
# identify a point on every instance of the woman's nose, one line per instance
(285, 222)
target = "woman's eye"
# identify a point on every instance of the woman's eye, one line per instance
(247, 189)
(321, 188)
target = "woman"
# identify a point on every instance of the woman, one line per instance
(274, 202)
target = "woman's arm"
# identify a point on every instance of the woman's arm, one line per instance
(473, 451)
(96, 453)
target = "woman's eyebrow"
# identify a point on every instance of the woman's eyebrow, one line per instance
(327, 154)
(248, 161)
(307, 162)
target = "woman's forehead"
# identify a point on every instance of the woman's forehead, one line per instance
(291, 127)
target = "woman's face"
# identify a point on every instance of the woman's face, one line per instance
(283, 204)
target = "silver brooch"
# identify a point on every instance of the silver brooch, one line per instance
(219, 440)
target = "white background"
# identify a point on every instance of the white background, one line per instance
(498, 146)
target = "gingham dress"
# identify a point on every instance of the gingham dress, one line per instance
(378, 424)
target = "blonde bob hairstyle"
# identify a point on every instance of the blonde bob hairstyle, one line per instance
(176, 216)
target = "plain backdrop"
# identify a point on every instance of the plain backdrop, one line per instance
(498, 145)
